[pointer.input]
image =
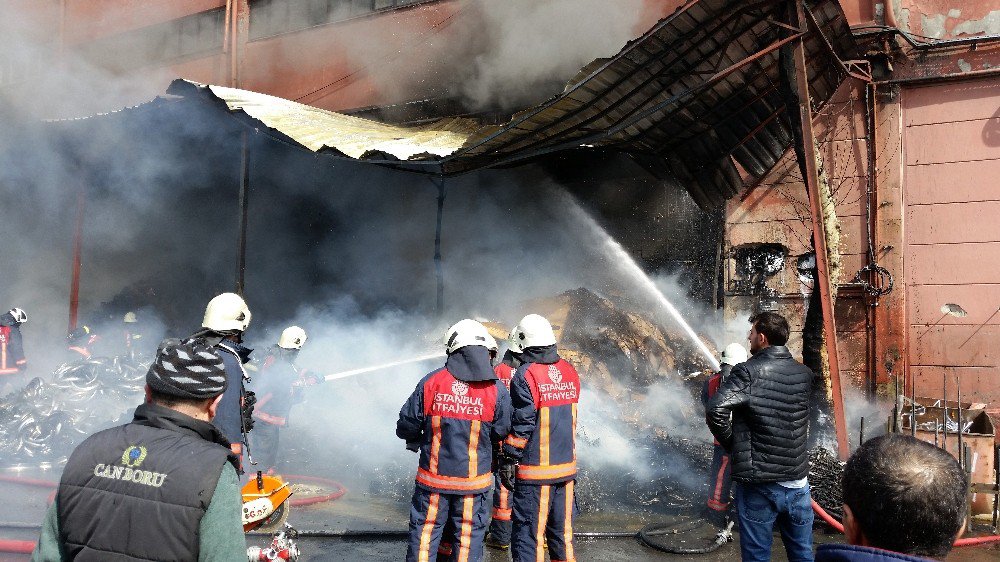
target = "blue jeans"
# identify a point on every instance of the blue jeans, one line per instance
(760, 506)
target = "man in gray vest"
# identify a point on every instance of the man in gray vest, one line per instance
(163, 487)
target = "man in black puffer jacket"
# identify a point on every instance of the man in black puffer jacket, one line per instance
(760, 415)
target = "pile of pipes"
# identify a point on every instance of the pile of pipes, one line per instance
(42, 422)
(825, 472)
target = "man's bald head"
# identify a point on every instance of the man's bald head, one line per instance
(906, 495)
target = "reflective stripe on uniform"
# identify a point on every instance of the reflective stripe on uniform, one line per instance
(438, 481)
(465, 540)
(543, 436)
(435, 443)
(503, 511)
(425, 534)
(474, 447)
(543, 517)
(568, 518)
(545, 472)
(519, 442)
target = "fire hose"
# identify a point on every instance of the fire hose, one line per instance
(839, 527)
(646, 537)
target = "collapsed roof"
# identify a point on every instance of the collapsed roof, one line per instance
(699, 97)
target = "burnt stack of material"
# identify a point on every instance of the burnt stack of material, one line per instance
(617, 349)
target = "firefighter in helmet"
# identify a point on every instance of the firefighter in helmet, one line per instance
(278, 386)
(12, 358)
(226, 319)
(452, 419)
(539, 455)
(719, 477)
(81, 342)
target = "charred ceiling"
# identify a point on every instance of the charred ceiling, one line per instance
(700, 97)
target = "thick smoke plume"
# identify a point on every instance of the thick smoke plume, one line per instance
(343, 249)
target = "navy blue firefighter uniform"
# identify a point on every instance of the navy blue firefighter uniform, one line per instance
(545, 391)
(720, 475)
(278, 387)
(454, 416)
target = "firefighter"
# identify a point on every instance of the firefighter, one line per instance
(500, 525)
(452, 419)
(540, 452)
(81, 343)
(132, 334)
(12, 358)
(498, 535)
(719, 481)
(278, 386)
(226, 319)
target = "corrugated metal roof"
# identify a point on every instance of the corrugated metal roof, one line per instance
(699, 93)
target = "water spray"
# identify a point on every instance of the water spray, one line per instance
(631, 269)
(363, 370)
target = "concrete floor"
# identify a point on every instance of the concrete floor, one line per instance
(358, 511)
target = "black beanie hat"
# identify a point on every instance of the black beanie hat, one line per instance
(187, 369)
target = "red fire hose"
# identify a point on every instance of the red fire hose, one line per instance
(970, 541)
(339, 491)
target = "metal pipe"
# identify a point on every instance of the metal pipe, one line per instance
(241, 255)
(811, 179)
(996, 482)
(861, 434)
(984, 73)
(74, 288)
(895, 404)
(944, 411)
(913, 405)
(961, 446)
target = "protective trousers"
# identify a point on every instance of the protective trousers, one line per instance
(500, 525)
(543, 513)
(719, 481)
(429, 511)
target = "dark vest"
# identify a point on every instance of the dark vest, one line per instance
(139, 491)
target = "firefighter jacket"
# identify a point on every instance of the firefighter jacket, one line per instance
(455, 415)
(278, 386)
(505, 370)
(544, 392)
(228, 417)
(140, 491)
(11, 349)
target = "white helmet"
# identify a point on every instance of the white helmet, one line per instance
(734, 354)
(227, 311)
(19, 315)
(491, 343)
(130, 318)
(292, 337)
(514, 342)
(534, 331)
(466, 332)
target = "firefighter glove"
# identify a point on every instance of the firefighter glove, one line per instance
(413, 446)
(507, 473)
(249, 399)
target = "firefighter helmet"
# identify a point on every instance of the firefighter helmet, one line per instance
(491, 343)
(130, 318)
(465, 332)
(535, 331)
(513, 341)
(19, 315)
(734, 354)
(227, 311)
(292, 337)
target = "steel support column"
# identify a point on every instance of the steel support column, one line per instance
(819, 229)
(438, 267)
(244, 202)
